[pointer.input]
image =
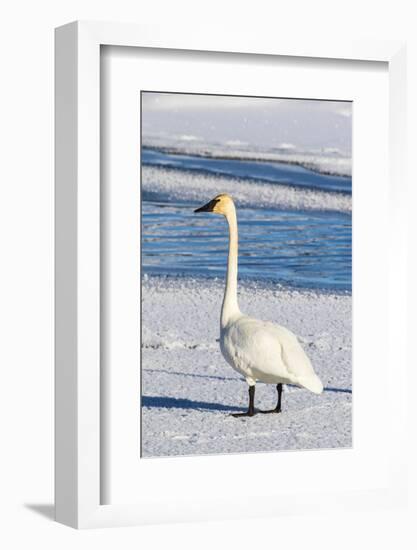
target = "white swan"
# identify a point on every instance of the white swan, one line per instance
(259, 350)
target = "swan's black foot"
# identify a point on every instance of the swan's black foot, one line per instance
(240, 415)
(251, 409)
(278, 407)
(276, 410)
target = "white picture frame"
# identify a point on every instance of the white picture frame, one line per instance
(78, 411)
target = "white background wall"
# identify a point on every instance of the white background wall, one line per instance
(26, 289)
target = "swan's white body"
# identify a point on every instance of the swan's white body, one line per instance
(259, 350)
(263, 351)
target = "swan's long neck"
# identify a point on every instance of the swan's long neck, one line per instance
(230, 306)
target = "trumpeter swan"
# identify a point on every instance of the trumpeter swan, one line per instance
(259, 350)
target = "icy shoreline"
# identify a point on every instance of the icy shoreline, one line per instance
(329, 163)
(188, 391)
(169, 184)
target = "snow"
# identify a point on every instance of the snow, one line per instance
(188, 390)
(166, 184)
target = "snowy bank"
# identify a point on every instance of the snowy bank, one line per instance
(171, 185)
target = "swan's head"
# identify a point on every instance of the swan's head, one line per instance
(221, 204)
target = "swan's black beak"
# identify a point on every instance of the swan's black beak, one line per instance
(209, 207)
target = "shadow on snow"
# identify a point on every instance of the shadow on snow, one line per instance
(158, 402)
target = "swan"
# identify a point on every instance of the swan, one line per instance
(258, 350)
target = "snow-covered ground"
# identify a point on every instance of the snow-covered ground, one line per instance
(189, 392)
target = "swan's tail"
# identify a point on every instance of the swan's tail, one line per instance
(312, 383)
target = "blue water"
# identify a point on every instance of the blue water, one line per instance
(304, 249)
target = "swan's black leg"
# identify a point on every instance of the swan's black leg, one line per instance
(279, 390)
(278, 407)
(251, 409)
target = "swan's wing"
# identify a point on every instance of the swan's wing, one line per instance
(249, 336)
